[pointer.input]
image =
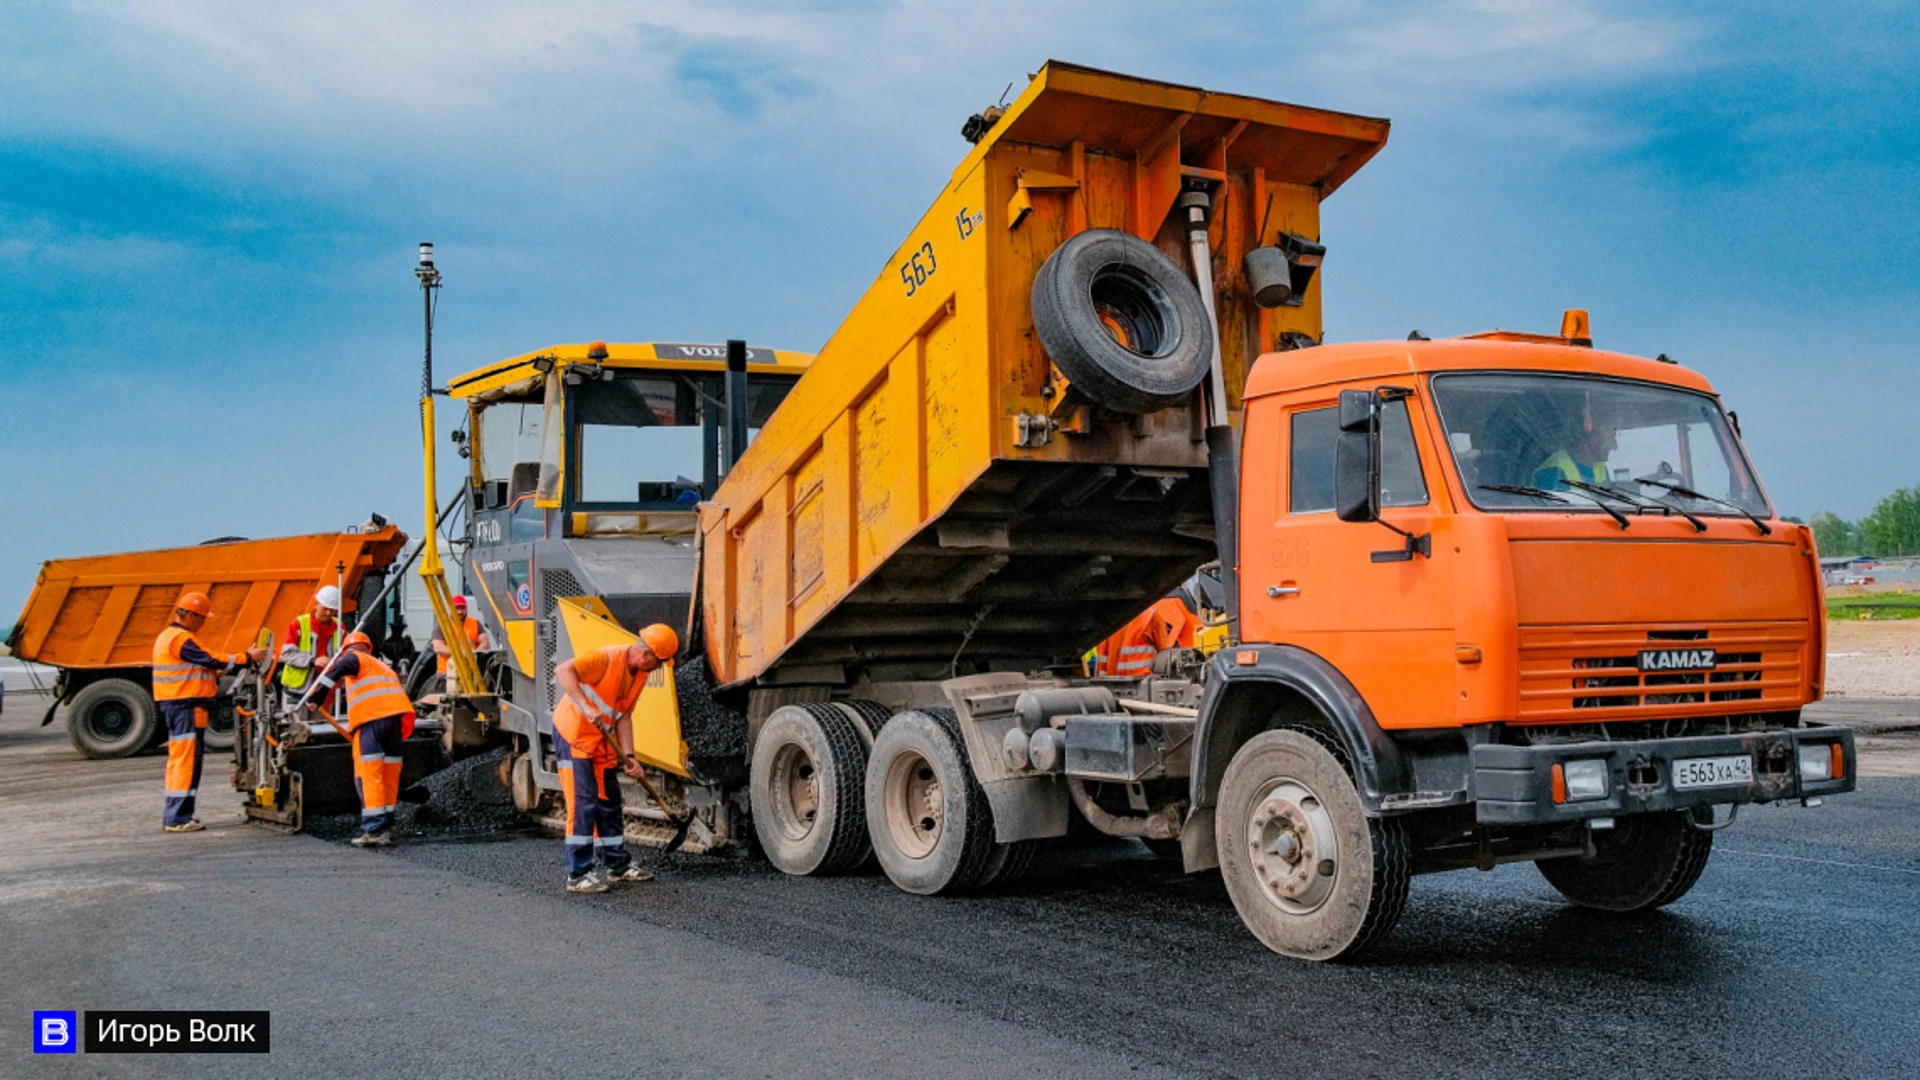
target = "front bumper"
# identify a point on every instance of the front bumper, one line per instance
(1513, 785)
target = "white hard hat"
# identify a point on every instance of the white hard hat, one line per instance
(328, 597)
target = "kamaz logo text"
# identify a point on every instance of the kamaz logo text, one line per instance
(1676, 659)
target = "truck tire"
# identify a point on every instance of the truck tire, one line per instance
(871, 716)
(806, 784)
(1312, 876)
(931, 828)
(1645, 861)
(1122, 321)
(220, 724)
(1006, 865)
(112, 718)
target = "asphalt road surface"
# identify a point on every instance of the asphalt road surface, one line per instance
(1797, 954)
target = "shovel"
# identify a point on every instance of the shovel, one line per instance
(681, 824)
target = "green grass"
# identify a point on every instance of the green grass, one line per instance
(1874, 606)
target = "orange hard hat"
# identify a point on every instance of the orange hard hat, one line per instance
(357, 638)
(194, 602)
(661, 639)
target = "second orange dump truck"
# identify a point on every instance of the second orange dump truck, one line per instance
(1501, 598)
(95, 619)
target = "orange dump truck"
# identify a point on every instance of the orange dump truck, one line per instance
(96, 618)
(1502, 598)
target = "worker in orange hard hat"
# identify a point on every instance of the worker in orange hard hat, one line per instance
(186, 679)
(476, 635)
(601, 688)
(379, 719)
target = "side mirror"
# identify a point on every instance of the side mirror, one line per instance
(1356, 458)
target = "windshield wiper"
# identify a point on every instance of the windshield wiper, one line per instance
(1521, 489)
(1645, 504)
(1589, 489)
(1543, 493)
(1688, 493)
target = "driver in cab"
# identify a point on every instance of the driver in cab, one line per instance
(1589, 437)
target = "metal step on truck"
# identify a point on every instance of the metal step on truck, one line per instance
(1501, 598)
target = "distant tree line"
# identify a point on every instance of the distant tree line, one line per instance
(1892, 527)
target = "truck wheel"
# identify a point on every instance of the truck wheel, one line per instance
(112, 718)
(931, 827)
(1645, 861)
(1006, 865)
(1122, 321)
(809, 766)
(1312, 876)
(220, 723)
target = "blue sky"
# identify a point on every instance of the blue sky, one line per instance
(208, 210)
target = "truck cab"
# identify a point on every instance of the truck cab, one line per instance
(1533, 600)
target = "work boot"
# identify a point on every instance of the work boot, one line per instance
(593, 881)
(185, 826)
(629, 873)
(377, 838)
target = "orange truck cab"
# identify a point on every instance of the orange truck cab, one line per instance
(1532, 599)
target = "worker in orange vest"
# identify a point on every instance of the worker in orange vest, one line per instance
(476, 637)
(379, 720)
(602, 685)
(1130, 651)
(186, 679)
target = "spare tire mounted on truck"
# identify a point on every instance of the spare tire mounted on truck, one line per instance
(1122, 321)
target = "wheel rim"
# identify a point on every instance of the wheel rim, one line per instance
(110, 720)
(796, 791)
(1135, 312)
(1293, 847)
(916, 805)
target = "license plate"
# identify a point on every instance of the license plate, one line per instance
(1713, 771)
(1677, 659)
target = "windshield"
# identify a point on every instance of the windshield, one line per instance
(640, 441)
(1542, 442)
(654, 439)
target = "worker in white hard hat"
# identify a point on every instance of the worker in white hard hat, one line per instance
(311, 640)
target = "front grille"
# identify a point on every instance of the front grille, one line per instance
(1586, 672)
(554, 584)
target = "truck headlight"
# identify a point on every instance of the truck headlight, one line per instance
(1586, 779)
(1816, 760)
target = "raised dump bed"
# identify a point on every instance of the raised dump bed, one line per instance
(941, 493)
(96, 617)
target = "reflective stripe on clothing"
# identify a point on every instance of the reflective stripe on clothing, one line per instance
(176, 678)
(377, 754)
(373, 692)
(186, 754)
(595, 816)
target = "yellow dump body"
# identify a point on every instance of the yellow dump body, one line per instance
(888, 521)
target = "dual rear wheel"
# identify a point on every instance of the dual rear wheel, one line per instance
(834, 785)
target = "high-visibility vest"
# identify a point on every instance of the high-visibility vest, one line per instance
(374, 693)
(1130, 652)
(294, 678)
(173, 678)
(614, 692)
(1562, 463)
(472, 630)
